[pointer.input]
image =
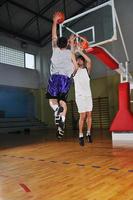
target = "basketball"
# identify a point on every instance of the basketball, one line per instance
(84, 44)
(61, 17)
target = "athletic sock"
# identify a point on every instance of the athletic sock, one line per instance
(54, 106)
(81, 135)
(88, 133)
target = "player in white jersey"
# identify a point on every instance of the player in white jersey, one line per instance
(83, 95)
(63, 64)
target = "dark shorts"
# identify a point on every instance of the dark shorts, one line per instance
(58, 87)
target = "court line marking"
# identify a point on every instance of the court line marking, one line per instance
(64, 162)
(25, 187)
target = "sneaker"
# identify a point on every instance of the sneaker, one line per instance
(89, 138)
(81, 141)
(61, 124)
(60, 133)
(57, 115)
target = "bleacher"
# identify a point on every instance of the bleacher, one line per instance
(18, 125)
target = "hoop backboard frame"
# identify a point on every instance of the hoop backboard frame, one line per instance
(92, 43)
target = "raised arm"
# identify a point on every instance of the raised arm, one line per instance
(54, 30)
(74, 63)
(87, 59)
(71, 43)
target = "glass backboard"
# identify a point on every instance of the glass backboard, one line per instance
(97, 25)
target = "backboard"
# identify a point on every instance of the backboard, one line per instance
(97, 25)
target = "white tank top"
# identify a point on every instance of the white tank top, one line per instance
(61, 62)
(82, 83)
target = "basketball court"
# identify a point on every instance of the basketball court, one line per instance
(39, 167)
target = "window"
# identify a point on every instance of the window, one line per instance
(11, 56)
(17, 58)
(29, 61)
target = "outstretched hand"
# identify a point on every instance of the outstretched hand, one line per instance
(56, 17)
(78, 48)
(71, 40)
(72, 37)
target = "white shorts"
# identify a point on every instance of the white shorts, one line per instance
(84, 103)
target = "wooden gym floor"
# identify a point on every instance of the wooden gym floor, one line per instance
(37, 167)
